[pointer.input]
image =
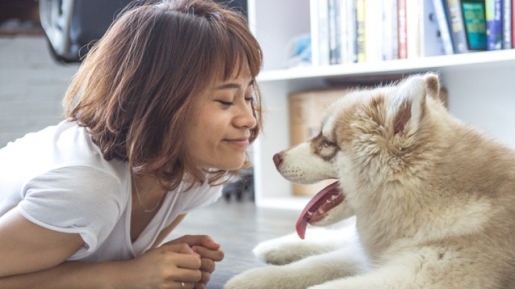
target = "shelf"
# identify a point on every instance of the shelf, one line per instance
(480, 87)
(394, 66)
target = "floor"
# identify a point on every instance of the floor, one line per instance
(238, 226)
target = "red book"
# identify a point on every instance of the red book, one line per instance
(403, 32)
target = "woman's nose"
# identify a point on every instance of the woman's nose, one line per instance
(246, 117)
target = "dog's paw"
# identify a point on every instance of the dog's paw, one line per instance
(291, 248)
(262, 278)
(280, 251)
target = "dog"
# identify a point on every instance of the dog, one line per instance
(426, 201)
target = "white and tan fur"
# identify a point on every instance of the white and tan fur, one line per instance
(433, 200)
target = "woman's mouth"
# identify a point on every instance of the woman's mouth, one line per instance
(240, 143)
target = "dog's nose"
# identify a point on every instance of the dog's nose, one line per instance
(278, 159)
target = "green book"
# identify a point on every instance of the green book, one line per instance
(475, 23)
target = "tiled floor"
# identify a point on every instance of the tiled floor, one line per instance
(238, 226)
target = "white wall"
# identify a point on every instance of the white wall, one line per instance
(31, 86)
(484, 97)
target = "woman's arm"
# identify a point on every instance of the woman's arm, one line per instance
(164, 267)
(29, 247)
(34, 257)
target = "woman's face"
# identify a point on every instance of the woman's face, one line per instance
(219, 132)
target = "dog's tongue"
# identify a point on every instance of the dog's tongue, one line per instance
(321, 198)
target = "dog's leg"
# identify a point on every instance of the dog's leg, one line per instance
(425, 268)
(387, 277)
(304, 273)
(290, 248)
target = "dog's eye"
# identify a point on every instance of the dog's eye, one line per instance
(327, 143)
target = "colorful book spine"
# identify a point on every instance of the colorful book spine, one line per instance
(389, 30)
(347, 23)
(494, 35)
(456, 26)
(343, 14)
(334, 33)
(475, 23)
(506, 24)
(373, 36)
(403, 32)
(413, 25)
(351, 30)
(323, 30)
(443, 26)
(360, 32)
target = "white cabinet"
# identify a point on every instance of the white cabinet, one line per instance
(481, 89)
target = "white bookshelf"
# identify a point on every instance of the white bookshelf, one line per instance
(481, 89)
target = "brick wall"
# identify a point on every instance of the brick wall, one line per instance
(31, 86)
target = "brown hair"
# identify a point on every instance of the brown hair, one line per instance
(134, 91)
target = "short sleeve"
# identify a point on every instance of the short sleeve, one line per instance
(80, 200)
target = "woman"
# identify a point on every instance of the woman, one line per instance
(159, 115)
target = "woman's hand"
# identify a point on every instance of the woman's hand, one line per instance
(209, 252)
(165, 267)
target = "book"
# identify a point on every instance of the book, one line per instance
(323, 31)
(347, 35)
(513, 22)
(319, 13)
(475, 23)
(402, 32)
(443, 26)
(389, 30)
(494, 35)
(431, 42)
(343, 29)
(413, 28)
(456, 26)
(360, 32)
(506, 24)
(373, 35)
(348, 31)
(334, 32)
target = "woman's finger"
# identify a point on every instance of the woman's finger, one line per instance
(207, 265)
(215, 255)
(186, 261)
(187, 276)
(205, 277)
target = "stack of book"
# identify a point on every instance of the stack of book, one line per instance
(357, 31)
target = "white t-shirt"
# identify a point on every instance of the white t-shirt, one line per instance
(59, 180)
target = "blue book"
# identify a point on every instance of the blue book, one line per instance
(456, 25)
(507, 24)
(494, 33)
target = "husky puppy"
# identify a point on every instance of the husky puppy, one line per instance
(431, 200)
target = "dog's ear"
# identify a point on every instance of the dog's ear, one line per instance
(409, 102)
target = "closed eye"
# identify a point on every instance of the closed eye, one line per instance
(226, 103)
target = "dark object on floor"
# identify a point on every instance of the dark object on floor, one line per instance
(243, 185)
